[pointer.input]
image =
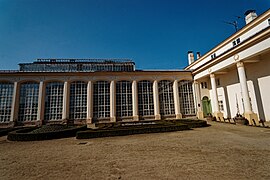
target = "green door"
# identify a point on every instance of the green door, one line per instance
(206, 106)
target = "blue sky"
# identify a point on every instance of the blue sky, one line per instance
(156, 34)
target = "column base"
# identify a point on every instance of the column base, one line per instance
(136, 118)
(219, 116)
(92, 126)
(113, 119)
(200, 115)
(89, 121)
(178, 116)
(157, 117)
(250, 117)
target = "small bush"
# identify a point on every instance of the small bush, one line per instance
(44, 133)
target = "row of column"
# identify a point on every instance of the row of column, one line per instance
(249, 114)
(66, 95)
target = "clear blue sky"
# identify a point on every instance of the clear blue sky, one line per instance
(156, 34)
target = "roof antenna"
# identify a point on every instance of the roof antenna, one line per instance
(234, 23)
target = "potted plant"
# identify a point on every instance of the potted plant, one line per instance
(239, 119)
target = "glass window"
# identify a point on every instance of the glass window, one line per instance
(221, 106)
(166, 100)
(28, 106)
(186, 97)
(123, 98)
(101, 99)
(78, 100)
(145, 98)
(54, 101)
(6, 94)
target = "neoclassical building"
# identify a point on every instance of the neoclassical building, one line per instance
(234, 77)
(91, 91)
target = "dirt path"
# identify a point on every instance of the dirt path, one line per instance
(221, 151)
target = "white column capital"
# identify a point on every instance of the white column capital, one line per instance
(240, 64)
(212, 75)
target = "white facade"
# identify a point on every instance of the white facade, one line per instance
(242, 73)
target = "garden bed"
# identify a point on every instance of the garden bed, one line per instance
(129, 130)
(44, 133)
(139, 127)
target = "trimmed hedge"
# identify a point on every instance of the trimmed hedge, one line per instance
(129, 130)
(32, 134)
(5, 131)
(192, 123)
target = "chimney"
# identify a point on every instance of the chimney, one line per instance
(198, 55)
(250, 15)
(190, 57)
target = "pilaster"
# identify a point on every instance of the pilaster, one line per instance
(89, 111)
(15, 104)
(135, 101)
(156, 100)
(65, 112)
(178, 114)
(112, 102)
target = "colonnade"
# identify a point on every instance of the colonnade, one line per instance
(89, 110)
(248, 113)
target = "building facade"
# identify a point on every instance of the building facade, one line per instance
(231, 79)
(234, 77)
(92, 91)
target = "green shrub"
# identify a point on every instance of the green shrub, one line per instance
(37, 134)
(128, 130)
(5, 131)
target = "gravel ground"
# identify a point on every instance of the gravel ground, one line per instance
(221, 151)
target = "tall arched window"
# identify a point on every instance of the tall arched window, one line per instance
(101, 99)
(123, 98)
(186, 97)
(166, 100)
(78, 100)
(54, 101)
(145, 98)
(28, 106)
(6, 94)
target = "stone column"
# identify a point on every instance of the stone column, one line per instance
(178, 114)
(217, 113)
(135, 101)
(65, 112)
(112, 102)
(197, 100)
(15, 104)
(156, 100)
(89, 111)
(41, 103)
(249, 114)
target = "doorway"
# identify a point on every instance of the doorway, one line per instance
(206, 106)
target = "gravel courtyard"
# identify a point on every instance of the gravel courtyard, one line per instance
(221, 151)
